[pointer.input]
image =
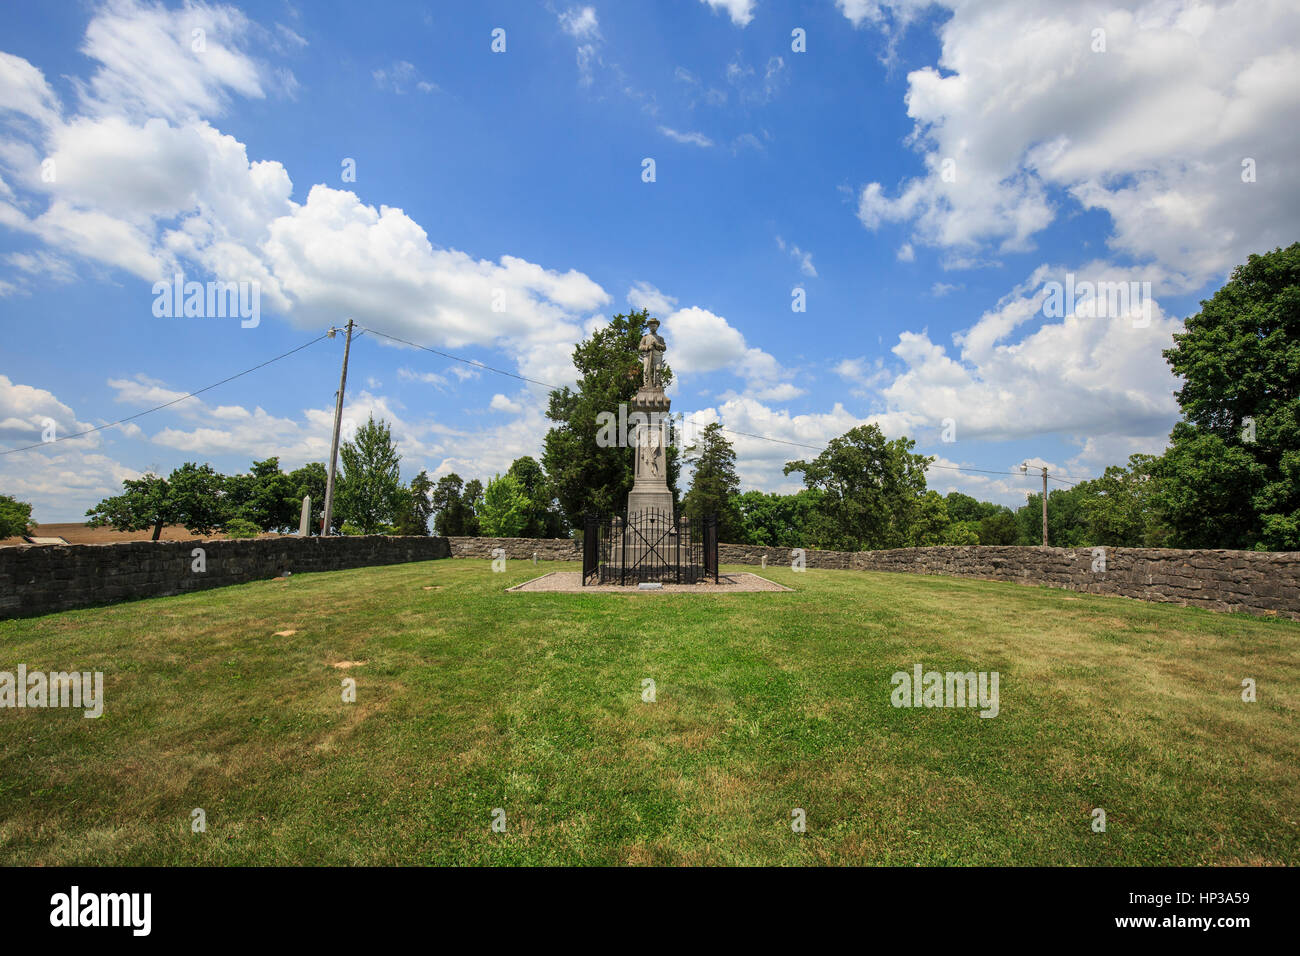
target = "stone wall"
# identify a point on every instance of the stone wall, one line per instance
(37, 579)
(1251, 581)
(546, 549)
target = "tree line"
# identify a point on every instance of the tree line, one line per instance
(369, 497)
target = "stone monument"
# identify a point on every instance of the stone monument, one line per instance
(650, 485)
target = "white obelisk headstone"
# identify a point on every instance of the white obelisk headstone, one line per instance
(304, 523)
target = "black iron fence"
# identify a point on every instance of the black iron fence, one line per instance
(649, 545)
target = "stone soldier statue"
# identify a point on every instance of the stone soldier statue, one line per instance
(652, 349)
(650, 492)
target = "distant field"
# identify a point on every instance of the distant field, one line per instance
(77, 533)
(470, 699)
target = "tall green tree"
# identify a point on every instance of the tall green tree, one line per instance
(998, 527)
(472, 502)
(370, 490)
(784, 521)
(1121, 508)
(965, 508)
(714, 483)
(871, 489)
(544, 518)
(264, 496)
(1231, 476)
(15, 517)
(417, 506)
(449, 516)
(1066, 526)
(930, 525)
(586, 477)
(506, 509)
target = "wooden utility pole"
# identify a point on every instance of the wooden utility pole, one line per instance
(334, 445)
(1024, 469)
(1044, 506)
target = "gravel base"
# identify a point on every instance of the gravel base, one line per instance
(571, 581)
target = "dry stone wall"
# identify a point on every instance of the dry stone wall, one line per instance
(37, 579)
(546, 549)
(1252, 581)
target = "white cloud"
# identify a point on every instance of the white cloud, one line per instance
(860, 11)
(153, 197)
(580, 23)
(740, 11)
(23, 90)
(759, 462)
(429, 378)
(1182, 94)
(906, 253)
(176, 64)
(753, 89)
(27, 412)
(803, 258)
(645, 296)
(502, 404)
(1079, 377)
(401, 77)
(699, 341)
(693, 139)
(59, 479)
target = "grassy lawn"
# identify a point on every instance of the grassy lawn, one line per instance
(469, 699)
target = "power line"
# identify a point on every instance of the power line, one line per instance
(733, 431)
(199, 391)
(456, 358)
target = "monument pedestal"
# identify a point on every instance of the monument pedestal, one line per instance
(650, 442)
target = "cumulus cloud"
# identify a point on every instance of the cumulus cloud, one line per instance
(29, 415)
(1153, 131)
(500, 403)
(60, 479)
(1081, 376)
(759, 461)
(154, 195)
(645, 296)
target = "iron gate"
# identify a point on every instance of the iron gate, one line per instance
(649, 545)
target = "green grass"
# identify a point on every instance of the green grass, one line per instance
(471, 699)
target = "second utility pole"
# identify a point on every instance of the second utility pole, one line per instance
(334, 446)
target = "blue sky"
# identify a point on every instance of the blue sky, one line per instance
(920, 171)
